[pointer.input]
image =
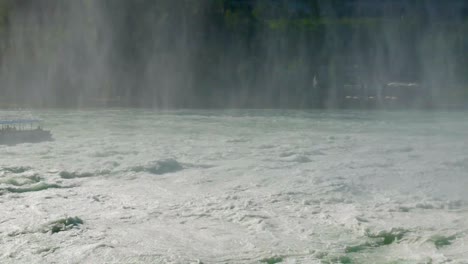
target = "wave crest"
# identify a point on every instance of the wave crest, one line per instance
(160, 167)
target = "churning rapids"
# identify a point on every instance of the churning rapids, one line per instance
(131, 186)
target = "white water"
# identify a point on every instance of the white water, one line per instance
(239, 187)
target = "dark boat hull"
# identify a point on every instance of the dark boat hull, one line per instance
(26, 136)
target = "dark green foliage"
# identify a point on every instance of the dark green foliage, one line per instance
(5, 6)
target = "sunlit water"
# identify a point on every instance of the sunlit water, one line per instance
(238, 187)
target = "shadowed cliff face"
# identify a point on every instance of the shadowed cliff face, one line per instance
(256, 54)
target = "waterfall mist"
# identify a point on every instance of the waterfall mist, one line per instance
(254, 54)
(56, 54)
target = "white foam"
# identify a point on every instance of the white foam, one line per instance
(210, 187)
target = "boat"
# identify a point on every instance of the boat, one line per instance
(18, 131)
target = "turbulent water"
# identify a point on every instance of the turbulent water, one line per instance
(131, 186)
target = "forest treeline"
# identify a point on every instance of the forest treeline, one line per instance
(236, 53)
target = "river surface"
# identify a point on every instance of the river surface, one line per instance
(237, 186)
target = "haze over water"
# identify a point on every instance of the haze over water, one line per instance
(254, 54)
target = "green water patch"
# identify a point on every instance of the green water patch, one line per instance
(272, 260)
(160, 167)
(57, 226)
(345, 260)
(359, 248)
(63, 224)
(47, 250)
(73, 175)
(17, 169)
(337, 260)
(21, 181)
(442, 241)
(387, 237)
(34, 188)
(428, 261)
(383, 238)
